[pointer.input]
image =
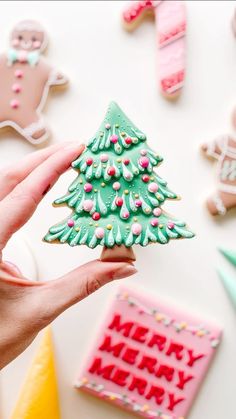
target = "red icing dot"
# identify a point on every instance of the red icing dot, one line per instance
(14, 103)
(114, 138)
(145, 178)
(89, 161)
(96, 216)
(111, 171)
(18, 74)
(119, 201)
(126, 161)
(128, 140)
(16, 88)
(144, 162)
(70, 223)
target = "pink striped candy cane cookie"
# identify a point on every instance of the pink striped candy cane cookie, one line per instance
(170, 17)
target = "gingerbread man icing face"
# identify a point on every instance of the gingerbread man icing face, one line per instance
(28, 36)
(25, 80)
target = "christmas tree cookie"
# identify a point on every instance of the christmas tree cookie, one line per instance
(39, 397)
(116, 198)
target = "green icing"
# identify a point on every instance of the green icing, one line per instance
(229, 285)
(116, 227)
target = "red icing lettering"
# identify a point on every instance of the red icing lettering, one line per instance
(156, 392)
(158, 340)
(118, 326)
(96, 368)
(130, 355)
(165, 371)
(193, 358)
(183, 379)
(138, 384)
(119, 377)
(149, 363)
(115, 349)
(175, 348)
(140, 334)
(174, 401)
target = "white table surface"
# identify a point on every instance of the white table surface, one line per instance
(105, 63)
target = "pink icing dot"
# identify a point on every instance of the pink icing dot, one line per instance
(88, 205)
(16, 88)
(107, 126)
(153, 187)
(144, 162)
(104, 158)
(88, 187)
(154, 222)
(70, 223)
(136, 229)
(138, 203)
(157, 212)
(22, 56)
(125, 214)
(114, 138)
(127, 176)
(36, 44)
(143, 152)
(18, 74)
(99, 233)
(116, 186)
(14, 103)
(170, 225)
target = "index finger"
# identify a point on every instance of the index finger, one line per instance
(21, 203)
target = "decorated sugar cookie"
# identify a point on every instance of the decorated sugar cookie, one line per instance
(39, 396)
(149, 357)
(116, 198)
(223, 149)
(25, 80)
(170, 17)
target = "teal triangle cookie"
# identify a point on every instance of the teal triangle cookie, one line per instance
(229, 285)
(230, 255)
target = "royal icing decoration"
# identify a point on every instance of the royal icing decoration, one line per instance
(149, 358)
(25, 81)
(230, 255)
(223, 149)
(170, 19)
(229, 284)
(122, 190)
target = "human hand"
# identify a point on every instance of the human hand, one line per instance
(26, 306)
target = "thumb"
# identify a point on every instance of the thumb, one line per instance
(59, 294)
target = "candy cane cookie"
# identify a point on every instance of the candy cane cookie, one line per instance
(170, 18)
(223, 149)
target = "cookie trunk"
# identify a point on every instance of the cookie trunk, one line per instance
(117, 254)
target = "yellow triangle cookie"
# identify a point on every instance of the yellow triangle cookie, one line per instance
(39, 396)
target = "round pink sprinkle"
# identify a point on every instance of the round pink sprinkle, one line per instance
(88, 187)
(136, 229)
(126, 214)
(88, 205)
(170, 225)
(107, 126)
(157, 212)
(114, 138)
(70, 223)
(104, 158)
(99, 233)
(153, 187)
(22, 56)
(116, 186)
(14, 103)
(143, 152)
(18, 74)
(144, 162)
(154, 222)
(127, 176)
(138, 203)
(16, 88)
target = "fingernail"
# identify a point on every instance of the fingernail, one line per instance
(124, 271)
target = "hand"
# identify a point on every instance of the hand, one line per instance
(26, 307)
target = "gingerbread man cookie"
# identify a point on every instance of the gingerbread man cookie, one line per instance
(25, 80)
(223, 149)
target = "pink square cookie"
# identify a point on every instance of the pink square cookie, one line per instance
(149, 357)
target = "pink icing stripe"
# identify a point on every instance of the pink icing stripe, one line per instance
(173, 82)
(178, 32)
(136, 9)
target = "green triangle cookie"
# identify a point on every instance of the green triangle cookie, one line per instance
(229, 254)
(229, 285)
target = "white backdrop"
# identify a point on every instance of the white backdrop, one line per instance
(105, 63)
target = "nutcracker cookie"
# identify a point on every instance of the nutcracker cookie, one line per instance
(25, 80)
(223, 149)
(170, 18)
